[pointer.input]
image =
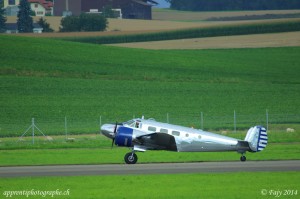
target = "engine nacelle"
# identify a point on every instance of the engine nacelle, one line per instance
(124, 136)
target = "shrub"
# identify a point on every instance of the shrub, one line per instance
(85, 22)
(70, 24)
(92, 22)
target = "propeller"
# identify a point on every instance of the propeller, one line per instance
(115, 132)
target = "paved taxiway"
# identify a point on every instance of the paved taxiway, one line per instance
(165, 168)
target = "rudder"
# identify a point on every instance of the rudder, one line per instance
(257, 138)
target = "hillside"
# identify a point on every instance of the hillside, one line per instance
(49, 79)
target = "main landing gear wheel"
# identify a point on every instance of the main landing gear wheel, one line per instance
(130, 158)
(243, 158)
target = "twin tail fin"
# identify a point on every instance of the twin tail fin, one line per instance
(257, 138)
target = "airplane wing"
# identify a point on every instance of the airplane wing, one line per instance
(142, 140)
(155, 141)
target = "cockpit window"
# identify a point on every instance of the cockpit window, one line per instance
(130, 123)
(137, 124)
(133, 123)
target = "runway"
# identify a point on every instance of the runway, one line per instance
(161, 168)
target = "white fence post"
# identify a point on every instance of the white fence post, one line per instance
(66, 128)
(201, 120)
(32, 121)
(267, 118)
(100, 122)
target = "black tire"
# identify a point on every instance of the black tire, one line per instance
(243, 158)
(130, 158)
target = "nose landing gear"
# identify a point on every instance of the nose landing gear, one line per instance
(130, 158)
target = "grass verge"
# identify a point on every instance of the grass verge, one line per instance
(198, 185)
(98, 141)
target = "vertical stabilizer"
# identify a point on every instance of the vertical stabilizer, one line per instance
(257, 138)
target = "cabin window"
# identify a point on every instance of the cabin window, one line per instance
(151, 128)
(164, 130)
(176, 133)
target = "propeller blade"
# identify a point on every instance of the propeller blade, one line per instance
(112, 144)
(115, 132)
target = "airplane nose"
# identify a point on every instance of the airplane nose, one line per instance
(108, 130)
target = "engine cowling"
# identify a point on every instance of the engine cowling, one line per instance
(124, 136)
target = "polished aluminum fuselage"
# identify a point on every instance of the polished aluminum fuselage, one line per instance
(187, 139)
(193, 140)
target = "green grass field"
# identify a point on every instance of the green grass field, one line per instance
(116, 156)
(199, 185)
(49, 79)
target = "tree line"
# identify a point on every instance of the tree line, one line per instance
(228, 5)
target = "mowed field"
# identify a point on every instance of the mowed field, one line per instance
(50, 79)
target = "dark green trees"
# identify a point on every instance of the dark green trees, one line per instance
(25, 22)
(210, 5)
(46, 26)
(92, 22)
(2, 18)
(84, 22)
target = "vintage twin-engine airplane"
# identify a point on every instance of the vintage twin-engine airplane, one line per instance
(142, 135)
